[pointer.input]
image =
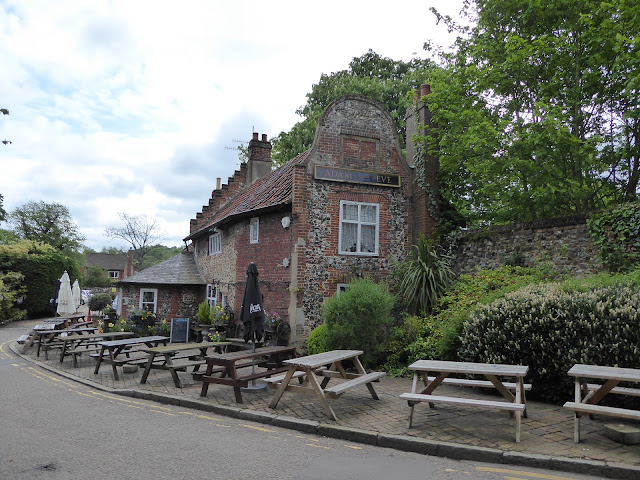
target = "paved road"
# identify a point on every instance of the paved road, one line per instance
(55, 428)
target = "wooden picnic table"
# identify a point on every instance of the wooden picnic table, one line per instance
(171, 352)
(77, 342)
(588, 395)
(46, 337)
(227, 365)
(308, 368)
(515, 404)
(114, 348)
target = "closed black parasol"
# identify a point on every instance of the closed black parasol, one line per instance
(252, 315)
(252, 312)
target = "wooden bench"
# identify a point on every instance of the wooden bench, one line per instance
(604, 410)
(336, 390)
(634, 392)
(22, 339)
(471, 402)
(464, 382)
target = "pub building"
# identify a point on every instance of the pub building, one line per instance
(346, 208)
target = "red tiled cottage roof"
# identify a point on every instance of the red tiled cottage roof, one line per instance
(271, 191)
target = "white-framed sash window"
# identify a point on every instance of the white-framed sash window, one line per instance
(149, 299)
(215, 243)
(359, 228)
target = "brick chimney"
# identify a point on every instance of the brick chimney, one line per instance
(418, 119)
(128, 271)
(259, 163)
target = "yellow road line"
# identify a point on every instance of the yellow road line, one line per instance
(352, 447)
(524, 474)
(318, 446)
(258, 428)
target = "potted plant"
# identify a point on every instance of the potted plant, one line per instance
(219, 317)
(205, 316)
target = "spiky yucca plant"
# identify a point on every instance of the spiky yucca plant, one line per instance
(424, 278)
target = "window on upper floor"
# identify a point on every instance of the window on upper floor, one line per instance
(113, 274)
(254, 226)
(215, 243)
(359, 228)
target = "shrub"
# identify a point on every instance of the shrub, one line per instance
(439, 334)
(423, 279)
(42, 266)
(99, 301)
(359, 318)
(397, 359)
(11, 294)
(317, 341)
(550, 329)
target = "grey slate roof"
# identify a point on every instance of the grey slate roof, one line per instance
(178, 270)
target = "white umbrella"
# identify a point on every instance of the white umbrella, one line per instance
(75, 292)
(65, 297)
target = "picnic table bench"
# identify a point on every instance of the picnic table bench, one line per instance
(75, 345)
(588, 395)
(111, 349)
(515, 404)
(188, 355)
(228, 364)
(328, 365)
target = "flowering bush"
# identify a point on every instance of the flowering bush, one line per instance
(550, 327)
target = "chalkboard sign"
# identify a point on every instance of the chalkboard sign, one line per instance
(179, 330)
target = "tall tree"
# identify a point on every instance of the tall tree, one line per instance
(139, 231)
(370, 75)
(538, 110)
(48, 223)
(3, 213)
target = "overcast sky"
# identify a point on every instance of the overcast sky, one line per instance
(137, 106)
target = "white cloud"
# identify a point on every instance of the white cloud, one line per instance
(129, 106)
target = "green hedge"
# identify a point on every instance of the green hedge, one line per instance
(550, 327)
(41, 266)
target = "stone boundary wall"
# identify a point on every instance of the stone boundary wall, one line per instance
(564, 242)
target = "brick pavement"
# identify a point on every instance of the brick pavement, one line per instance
(547, 433)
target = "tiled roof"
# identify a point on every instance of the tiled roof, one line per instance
(178, 270)
(270, 191)
(108, 261)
